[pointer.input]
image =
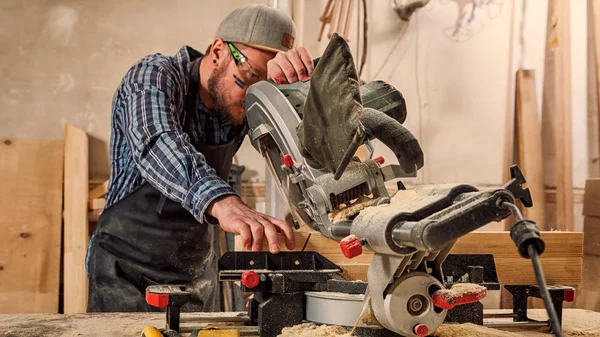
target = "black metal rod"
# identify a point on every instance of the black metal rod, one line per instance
(507, 325)
(514, 209)
(533, 254)
(539, 275)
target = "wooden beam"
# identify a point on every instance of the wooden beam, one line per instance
(337, 4)
(528, 128)
(562, 260)
(560, 48)
(31, 191)
(594, 33)
(98, 191)
(76, 234)
(96, 204)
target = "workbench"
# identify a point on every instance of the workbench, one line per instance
(576, 323)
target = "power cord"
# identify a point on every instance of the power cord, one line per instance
(526, 236)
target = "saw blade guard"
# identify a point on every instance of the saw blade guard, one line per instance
(274, 114)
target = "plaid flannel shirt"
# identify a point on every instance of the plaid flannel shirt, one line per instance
(151, 139)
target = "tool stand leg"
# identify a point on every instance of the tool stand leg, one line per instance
(173, 317)
(278, 312)
(520, 296)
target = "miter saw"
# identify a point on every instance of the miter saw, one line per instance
(410, 233)
(326, 187)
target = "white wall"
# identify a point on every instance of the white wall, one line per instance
(466, 87)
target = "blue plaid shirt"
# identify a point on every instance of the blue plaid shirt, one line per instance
(151, 139)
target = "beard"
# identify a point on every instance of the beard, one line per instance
(233, 113)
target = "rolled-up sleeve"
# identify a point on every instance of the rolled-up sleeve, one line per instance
(161, 150)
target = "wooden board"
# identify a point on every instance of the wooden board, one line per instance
(561, 49)
(98, 191)
(594, 33)
(30, 221)
(96, 204)
(588, 293)
(561, 261)
(76, 233)
(529, 134)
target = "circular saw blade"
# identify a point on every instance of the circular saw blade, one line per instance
(290, 192)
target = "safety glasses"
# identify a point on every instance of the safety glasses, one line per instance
(249, 76)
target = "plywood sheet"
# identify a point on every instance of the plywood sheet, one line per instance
(562, 260)
(76, 232)
(30, 222)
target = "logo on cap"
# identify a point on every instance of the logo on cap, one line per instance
(287, 41)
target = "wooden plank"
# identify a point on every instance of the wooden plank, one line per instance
(588, 293)
(594, 34)
(561, 260)
(30, 217)
(96, 204)
(334, 17)
(562, 125)
(98, 191)
(530, 144)
(76, 233)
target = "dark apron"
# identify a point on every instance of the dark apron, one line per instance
(146, 239)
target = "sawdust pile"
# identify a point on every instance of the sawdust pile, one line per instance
(576, 322)
(470, 330)
(409, 200)
(460, 289)
(312, 330)
(344, 214)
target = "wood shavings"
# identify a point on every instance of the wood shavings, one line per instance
(312, 330)
(460, 289)
(344, 214)
(470, 330)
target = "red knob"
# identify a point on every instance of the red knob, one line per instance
(569, 295)
(250, 279)
(351, 246)
(421, 330)
(288, 161)
(379, 160)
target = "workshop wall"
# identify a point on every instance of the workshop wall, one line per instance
(458, 78)
(62, 64)
(60, 61)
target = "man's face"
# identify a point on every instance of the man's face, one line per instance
(228, 83)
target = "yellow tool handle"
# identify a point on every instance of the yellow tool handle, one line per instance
(151, 332)
(219, 333)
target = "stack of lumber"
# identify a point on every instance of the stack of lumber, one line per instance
(42, 179)
(589, 293)
(561, 261)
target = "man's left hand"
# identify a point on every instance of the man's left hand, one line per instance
(290, 66)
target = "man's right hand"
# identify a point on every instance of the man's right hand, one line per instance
(236, 217)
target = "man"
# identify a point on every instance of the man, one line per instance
(176, 124)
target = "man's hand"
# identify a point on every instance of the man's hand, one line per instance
(290, 66)
(235, 217)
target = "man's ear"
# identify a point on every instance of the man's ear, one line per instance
(218, 52)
